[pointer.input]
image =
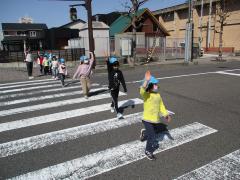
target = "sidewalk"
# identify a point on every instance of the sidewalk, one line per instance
(10, 72)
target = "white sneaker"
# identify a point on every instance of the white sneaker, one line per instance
(86, 97)
(30, 77)
(119, 116)
(112, 109)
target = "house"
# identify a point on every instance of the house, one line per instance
(100, 36)
(18, 35)
(150, 32)
(77, 24)
(174, 19)
(57, 38)
(108, 19)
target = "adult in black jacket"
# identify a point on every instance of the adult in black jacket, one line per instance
(115, 78)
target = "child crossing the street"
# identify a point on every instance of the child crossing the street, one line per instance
(115, 78)
(62, 71)
(84, 72)
(45, 64)
(153, 108)
(54, 67)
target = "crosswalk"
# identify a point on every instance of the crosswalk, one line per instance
(60, 116)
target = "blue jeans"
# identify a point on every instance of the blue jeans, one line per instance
(150, 136)
(55, 71)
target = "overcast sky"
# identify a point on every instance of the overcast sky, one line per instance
(55, 13)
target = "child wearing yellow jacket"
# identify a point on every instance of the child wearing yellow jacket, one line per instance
(153, 108)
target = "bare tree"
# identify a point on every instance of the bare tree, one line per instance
(222, 14)
(136, 24)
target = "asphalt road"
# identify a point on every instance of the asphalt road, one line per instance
(207, 94)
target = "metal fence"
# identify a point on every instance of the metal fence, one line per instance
(67, 54)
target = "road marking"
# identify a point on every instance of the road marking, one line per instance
(22, 82)
(227, 73)
(112, 158)
(64, 115)
(226, 167)
(54, 104)
(47, 97)
(30, 88)
(184, 75)
(39, 141)
(43, 91)
(28, 84)
(178, 76)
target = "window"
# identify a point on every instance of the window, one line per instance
(33, 34)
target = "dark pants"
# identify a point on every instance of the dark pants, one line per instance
(62, 77)
(152, 130)
(29, 68)
(41, 68)
(114, 94)
(150, 136)
(45, 70)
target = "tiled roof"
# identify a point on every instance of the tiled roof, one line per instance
(123, 22)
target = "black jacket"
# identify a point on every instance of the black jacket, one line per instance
(115, 77)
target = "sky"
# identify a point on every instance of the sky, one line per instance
(55, 13)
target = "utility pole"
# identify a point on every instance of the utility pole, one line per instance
(200, 25)
(88, 6)
(189, 33)
(209, 24)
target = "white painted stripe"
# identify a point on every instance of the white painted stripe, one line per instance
(27, 100)
(112, 158)
(30, 88)
(42, 91)
(178, 76)
(64, 115)
(22, 82)
(232, 70)
(185, 75)
(29, 84)
(226, 167)
(54, 104)
(39, 141)
(227, 73)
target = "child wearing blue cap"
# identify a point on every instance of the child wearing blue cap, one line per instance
(84, 72)
(115, 77)
(62, 69)
(153, 108)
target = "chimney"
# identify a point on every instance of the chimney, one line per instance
(97, 17)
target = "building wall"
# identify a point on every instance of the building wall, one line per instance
(175, 23)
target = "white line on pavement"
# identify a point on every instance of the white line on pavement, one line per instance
(226, 167)
(25, 100)
(22, 82)
(30, 88)
(227, 73)
(64, 115)
(185, 75)
(28, 84)
(112, 158)
(54, 104)
(26, 94)
(39, 141)
(178, 76)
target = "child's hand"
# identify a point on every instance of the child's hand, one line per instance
(168, 118)
(147, 76)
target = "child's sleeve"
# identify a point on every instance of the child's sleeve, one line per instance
(143, 93)
(163, 109)
(123, 82)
